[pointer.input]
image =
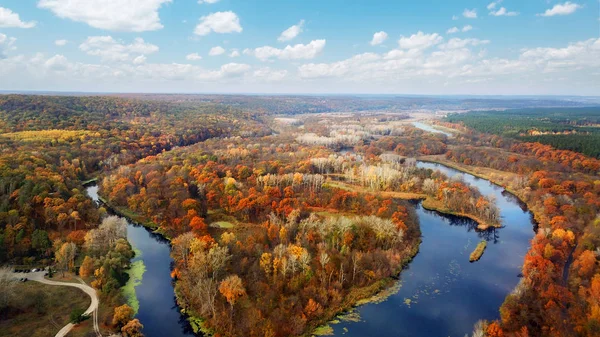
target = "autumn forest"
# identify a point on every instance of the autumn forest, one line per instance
(283, 213)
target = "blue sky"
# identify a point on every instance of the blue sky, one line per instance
(421, 47)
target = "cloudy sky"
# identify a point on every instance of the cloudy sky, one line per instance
(302, 46)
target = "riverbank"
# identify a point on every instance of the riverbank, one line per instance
(432, 204)
(151, 267)
(477, 171)
(495, 177)
(375, 293)
(428, 202)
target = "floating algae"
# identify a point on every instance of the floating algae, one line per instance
(136, 273)
(323, 330)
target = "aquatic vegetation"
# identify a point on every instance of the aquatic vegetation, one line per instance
(136, 273)
(323, 330)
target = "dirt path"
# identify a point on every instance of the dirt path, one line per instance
(91, 310)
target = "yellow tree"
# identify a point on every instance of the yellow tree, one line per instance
(232, 288)
(87, 267)
(65, 256)
(122, 315)
(133, 328)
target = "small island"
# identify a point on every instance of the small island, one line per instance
(478, 252)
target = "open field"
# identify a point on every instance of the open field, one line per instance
(42, 310)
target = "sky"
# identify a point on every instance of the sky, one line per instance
(429, 47)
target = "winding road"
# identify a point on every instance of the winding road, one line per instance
(91, 310)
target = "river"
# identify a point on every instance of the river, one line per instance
(441, 293)
(158, 311)
(429, 128)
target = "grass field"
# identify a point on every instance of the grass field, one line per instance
(46, 135)
(42, 310)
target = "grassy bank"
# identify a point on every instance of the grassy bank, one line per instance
(478, 252)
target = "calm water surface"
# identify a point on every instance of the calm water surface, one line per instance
(441, 293)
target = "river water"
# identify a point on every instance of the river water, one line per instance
(441, 293)
(429, 128)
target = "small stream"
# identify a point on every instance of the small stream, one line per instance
(441, 293)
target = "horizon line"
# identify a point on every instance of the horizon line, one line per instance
(66, 92)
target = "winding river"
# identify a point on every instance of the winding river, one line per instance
(441, 292)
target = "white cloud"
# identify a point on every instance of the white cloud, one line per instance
(193, 57)
(454, 17)
(116, 15)
(139, 60)
(296, 52)
(269, 74)
(562, 9)
(457, 43)
(219, 22)
(57, 63)
(458, 62)
(234, 53)
(570, 69)
(464, 29)
(419, 41)
(575, 56)
(10, 19)
(216, 51)
(208, 1)
(337, 69)
(470, 13)
(109, 49)
(61, 43)
(493, 5)
(232, 70)
(503, 12)
(292, 32)
(6, 44)
(379, 38)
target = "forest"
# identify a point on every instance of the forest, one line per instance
(575, 129)
(324, 229)
(278, 223)
(51, 146)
